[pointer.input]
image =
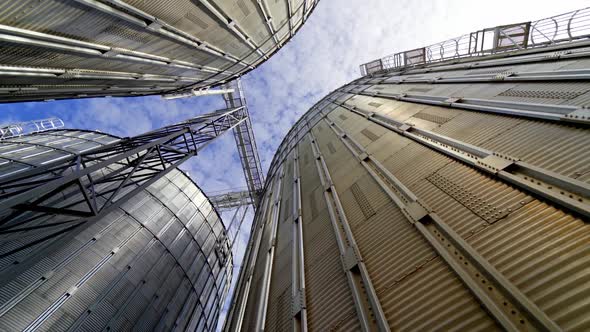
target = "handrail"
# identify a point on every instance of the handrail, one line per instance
(553, 30)
(30, 127)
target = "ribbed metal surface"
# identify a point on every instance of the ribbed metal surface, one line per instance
(151, 264)
(329, 301)
(545, 253)
(450, 238)
(193, 44)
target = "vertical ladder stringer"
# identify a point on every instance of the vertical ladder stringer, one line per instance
(298, 300)
(511, 309)
(369, 311)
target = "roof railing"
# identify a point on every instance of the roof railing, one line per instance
(29, 127)
(549, 31)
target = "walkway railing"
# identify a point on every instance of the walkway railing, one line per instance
(29, 127)
(545, 32)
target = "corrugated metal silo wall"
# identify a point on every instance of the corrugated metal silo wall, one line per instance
(72, 49)
(420, 211)
(150, 264)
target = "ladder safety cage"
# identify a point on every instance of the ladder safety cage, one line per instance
(245, 141)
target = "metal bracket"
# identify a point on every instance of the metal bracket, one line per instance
(328, 186)
(495, 163)
(363, 156)
(580, 115)
(298, 302)
(555, 55)
(404, 127)
(416, 211)
(111, 53)
(451, 100)
(154, 26)
(350, 259)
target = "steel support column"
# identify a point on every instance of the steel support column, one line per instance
(262, 307)
(298, 298)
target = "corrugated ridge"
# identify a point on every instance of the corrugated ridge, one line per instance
(476, 128)
(414, 163)
(432, 299)
(562, 149)
(490, 199)
(279, 309)
(327, 292)
(456, 215)
(544, 93)
(390, 247)
(545, 253)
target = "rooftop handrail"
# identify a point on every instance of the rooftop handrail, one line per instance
(553, 30)
(29, 127)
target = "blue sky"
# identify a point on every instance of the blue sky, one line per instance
(323, 55)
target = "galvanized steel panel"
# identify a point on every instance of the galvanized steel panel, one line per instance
(115, 270)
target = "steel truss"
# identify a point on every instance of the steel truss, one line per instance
(91, 184)
(246, 143)
(231, 200)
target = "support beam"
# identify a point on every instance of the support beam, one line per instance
(268, 20)
(80, 73)
(298, 298)
(37, 39)
(93, 183)
(198, 93)
(508, 76)
(369, 311)
(288, 21)
(559, 113)
(232, 26)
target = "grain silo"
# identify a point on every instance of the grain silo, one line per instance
(446, 189)
(159, 261)
(58, 49)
